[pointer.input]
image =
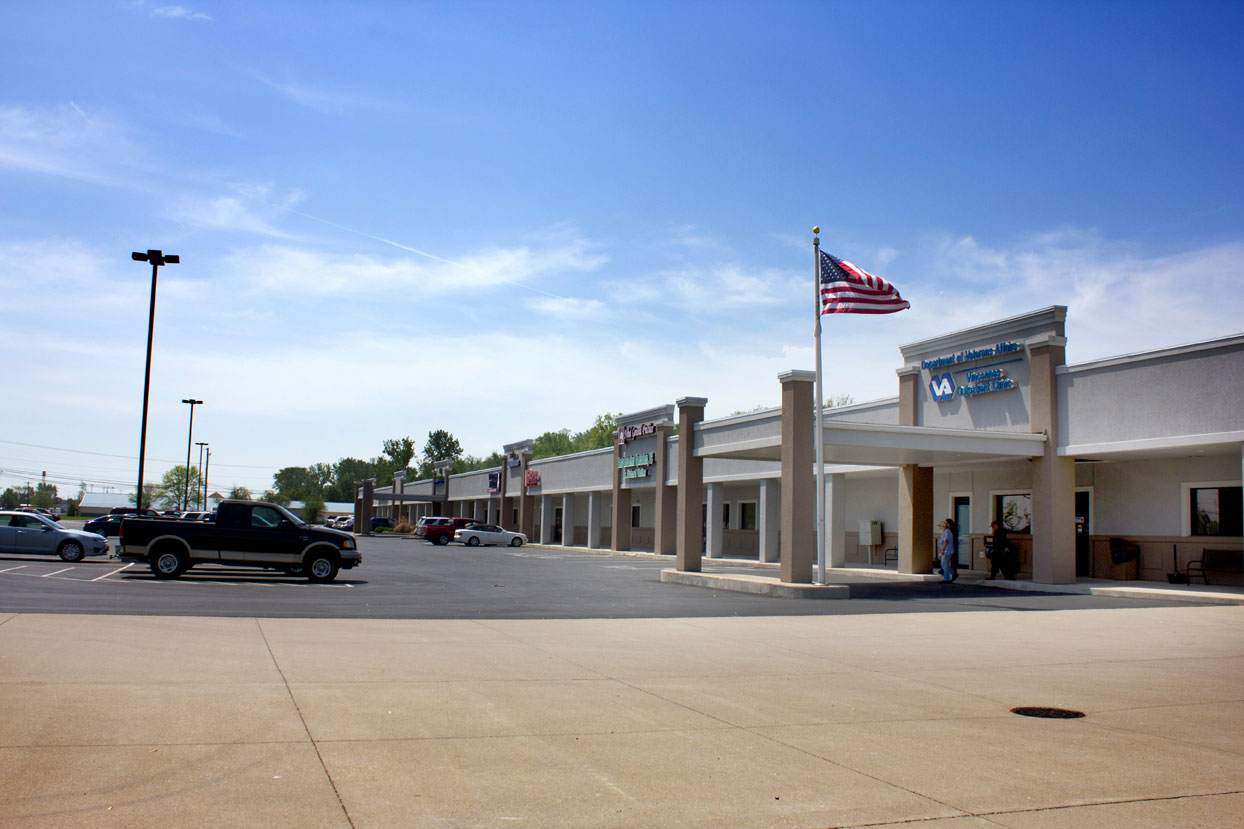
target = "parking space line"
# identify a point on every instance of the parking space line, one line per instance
(114, 572)
(45, 575)
(18, 567)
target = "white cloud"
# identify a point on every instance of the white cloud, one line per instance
(727, 288)
(180, 13)
(63, 141)
(251, 208)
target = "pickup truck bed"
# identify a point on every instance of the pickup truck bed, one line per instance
(245, 534)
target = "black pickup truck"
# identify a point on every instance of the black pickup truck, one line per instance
(245, 534)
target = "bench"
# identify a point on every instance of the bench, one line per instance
(1215, 561)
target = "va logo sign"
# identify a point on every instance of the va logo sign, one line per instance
(942, 387)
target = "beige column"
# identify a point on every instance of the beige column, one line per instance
(798, 480)
(770, 518)
(546, 519)
(714, 531)
(1053, 477)
(568, 520)
(835, 520)
(666, 519)
(620, 527)
(690, 497)
(362, 524)
(915, 519)
(595, 518)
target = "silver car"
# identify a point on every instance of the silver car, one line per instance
(30, 532)
(474, 535)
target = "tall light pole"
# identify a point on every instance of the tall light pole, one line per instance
(156, 258)
(198, 490)
(205, 469)
(185, 499)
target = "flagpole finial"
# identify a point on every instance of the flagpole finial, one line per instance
(816, 231)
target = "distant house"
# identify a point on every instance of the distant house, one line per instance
(101, 503)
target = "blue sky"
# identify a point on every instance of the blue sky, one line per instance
(504, 218)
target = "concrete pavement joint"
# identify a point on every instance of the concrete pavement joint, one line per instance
(318, 756)
(1040, 809)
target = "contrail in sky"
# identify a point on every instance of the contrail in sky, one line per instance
(400, 246)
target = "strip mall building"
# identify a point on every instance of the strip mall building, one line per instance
(988, 424)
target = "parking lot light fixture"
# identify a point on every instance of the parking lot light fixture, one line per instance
(156, 258)
(199, 491)
(185, 499)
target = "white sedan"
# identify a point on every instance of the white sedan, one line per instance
(474, 535)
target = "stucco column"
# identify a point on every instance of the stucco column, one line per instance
(568, 520)
(798, 480)
(712, 525)
(770, 518)
(363, 523)
(835, 520)
(690, 497)
(546, 519)
(915, 519)
(595, 518)
(1053, 477)
(526, 500)
(620, 526)
(665, 541)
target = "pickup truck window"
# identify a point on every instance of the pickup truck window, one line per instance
(265, 517)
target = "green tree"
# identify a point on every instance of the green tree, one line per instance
(276, 498)
(172, 489)
(10, 499)
(838, 400)
(346, 473)
(151, 494)
(441, 446)
(45, 496)
(470, 463)
(552, 444)
(312, 509)
(240, 493)
(297, 482)
(599, 436)
(400, 451)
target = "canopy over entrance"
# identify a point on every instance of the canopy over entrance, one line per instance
(882, 445)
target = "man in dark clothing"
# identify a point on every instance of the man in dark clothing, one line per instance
(1003, 558)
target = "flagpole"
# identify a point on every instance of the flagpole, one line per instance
(819, 437)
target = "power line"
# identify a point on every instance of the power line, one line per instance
(126, 457)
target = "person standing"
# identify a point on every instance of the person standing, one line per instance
(1000, 558)
(948, 548)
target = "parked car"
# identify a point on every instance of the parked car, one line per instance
(474, 535)
(105, 525)
(345, 522)
(31, 532)
(440, 529)
(130, 511)
(378, 521)
(44, 511)
(246, 534)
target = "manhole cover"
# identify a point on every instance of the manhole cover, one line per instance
(1047, 713)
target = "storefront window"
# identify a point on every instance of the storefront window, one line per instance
(1217, 511)
(1014, 512)
(635, 516)
(747, 515)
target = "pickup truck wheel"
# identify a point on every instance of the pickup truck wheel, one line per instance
(442, 540)
(322, 567)
(71, 551)
(169, 564)
(516, 542)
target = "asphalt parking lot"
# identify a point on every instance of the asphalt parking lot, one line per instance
(403, 578)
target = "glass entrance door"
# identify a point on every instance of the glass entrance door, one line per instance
(961, 506)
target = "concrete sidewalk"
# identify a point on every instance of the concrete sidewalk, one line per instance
(797, 721)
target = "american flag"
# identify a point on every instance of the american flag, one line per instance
(845, 289)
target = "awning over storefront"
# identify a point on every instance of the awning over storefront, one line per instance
(881, 445)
